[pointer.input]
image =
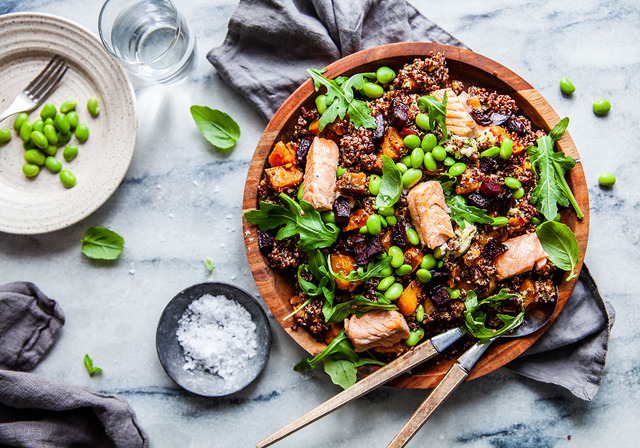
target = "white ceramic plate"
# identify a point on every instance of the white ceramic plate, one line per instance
(42, 204)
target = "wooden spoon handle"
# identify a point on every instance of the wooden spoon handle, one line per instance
(421, 353)
(454, 377)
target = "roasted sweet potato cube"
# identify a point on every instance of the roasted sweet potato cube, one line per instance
(352, 183)
(343, 265)
(387, 239)
(282, 154)
(526, 290)
(314, 127)
(357, 220)
(408, 301)
(413, 256)
(427, 304)
(284, 176)
(393, 143)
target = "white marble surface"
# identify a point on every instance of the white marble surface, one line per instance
(180, 203)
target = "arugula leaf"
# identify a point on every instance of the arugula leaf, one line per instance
(475, 319)
(437, 111)
(319, 268)
(301, 219)
(209, 264)
(561, 244)
(391, 185)
(101, 243)
(552, 188)
(358, 305)
(342, 372)
(340, 100)
(461, 212)
(217, 127)
(88, 363)
(373, 269)
(307, 364)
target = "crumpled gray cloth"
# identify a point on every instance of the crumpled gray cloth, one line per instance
(268, 47)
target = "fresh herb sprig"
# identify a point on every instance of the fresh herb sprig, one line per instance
(358, 306)
(475, 319)
(340, 99)
(298, 219)
(217, 127)
(561, 244)
(320, 270)
(461, 212)
(391, 184)
(437, 112)
(88, 363)
(362, 273)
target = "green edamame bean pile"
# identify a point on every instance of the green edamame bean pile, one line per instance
(371, 250)
(52, 130)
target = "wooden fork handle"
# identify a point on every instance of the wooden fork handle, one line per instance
(454, 377)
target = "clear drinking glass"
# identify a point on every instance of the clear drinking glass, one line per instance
(150, 38)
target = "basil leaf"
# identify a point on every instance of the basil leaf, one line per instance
(461, 212)
(391, 184)
(217, 127)
(437, 111)
(101, 243)
(342, 371)
(561, 244)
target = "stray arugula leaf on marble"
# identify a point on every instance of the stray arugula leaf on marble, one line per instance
(561, 244)
(209, 264)
(100, 243)
(88, 363)
(217, 127)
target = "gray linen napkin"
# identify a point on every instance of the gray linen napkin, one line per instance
(268, 47)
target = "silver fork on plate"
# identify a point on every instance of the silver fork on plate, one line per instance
(38, 89)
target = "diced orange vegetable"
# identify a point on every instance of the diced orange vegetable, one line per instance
(526, 289)
(314, 127)
(282, 177)
(392, 144)
(413, 257)
(502, 133)
(332, 332)
(427, 304)
(352, 183)
(343, 265)
(387, 239)
(282, 155)
(357, 220)
(408, 300)
(474, 102)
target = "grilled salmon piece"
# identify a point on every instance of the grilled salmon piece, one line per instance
(430, 214)
(524, 252)
(377, 328)
(459, 121)
(320, 174)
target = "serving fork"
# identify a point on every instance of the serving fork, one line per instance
(38, 89)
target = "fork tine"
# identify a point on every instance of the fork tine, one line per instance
(50, 84)
(44, 73)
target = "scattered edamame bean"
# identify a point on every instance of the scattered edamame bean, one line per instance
(5, 135)
(428, 262)
(519, 193)
(48, 111)
(34, 157)
(404, 270)
(64, 138)
(28, 145)
(53, 164)
(67, 178)
(453, 293)
(457, 169)
(512, 183)
(383, 221)
(38, 125)
(70, 152)
(402, 167)
(30, 170)
(39, 139)
(601, 107)
(429, 142)
(386, 272)
(299, 193)
(50, 133)
(72, 118)
(374, 226)
(372, 90)
(397, 256)
(385, 75)
(429, 162)
(374, 184)
(328, 216)
(20, 119)
(414, 337)
(61, 124)
(412, 141)
(411, 177)
(394, 291)
(363, 230)
(423, 275)
(386, 282)
(392, 220)
(438, 253)
(48, 121)
(491, 152)
(419, 313)
(340, 171)
(422, 121)
(607, 179)
(449, 161)
(82, 132)
(50, 150)
(406, 160)
(386, 211)
(412, 236)
(439, 153)
(440, 264)
(321, 104)
(500, 221)
(417, 156)
(92, 106)
(25, 131)
(567, 86)
(535, 221)
(70, 105)
(506, 149)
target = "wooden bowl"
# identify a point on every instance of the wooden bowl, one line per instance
(472, 69)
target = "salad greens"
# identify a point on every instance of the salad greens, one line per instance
(561, 244)
(391, 184)
(437, 111)
(461, 212)
(475, 319)
(373, 269)
(88, 363)
(301, 219)
(100, 243)
(320, 270)
(217, 127)
(358, 305)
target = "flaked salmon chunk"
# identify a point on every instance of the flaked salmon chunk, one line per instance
(523, 253)
(459, 121)
(377, 328)
(430, 214)
(320, 174)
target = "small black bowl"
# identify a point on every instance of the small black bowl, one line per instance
(171, 354)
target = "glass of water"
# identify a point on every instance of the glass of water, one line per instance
(150, 38)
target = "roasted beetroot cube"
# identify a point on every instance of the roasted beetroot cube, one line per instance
(375, 246)
(505, 202)
(303, 150)
(498, 119)
(439, 276)
(480, 117)
(265, 242)
(487, 165)
(439, 295)
(479, 200)
(492, 249)
(512, 305)
(399, 116)
(399, 233)
(342, 211)
(490, 188)
(516, 126)
(377, 135)
(360, 253)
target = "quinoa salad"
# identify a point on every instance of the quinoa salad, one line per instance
(407, 203)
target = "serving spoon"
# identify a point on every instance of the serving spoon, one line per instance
(533, 321)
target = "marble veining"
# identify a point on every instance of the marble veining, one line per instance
(181, 202)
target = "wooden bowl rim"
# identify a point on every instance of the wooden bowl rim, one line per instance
(499, 353)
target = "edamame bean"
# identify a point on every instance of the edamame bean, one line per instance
(39, 139)
(519, 193)
(506, 149)
(402, 167)
(374, 226)
(386, 282)
(70, 105)
(374, 185)
(50, 132)
(92, 106)
(34, 157)
(48, 111)
(535, 221)
(567, 86)
(61, 124)
(417, 156)
(50, 150)
(394, 291)
(392, 220)
(411, 177)
(25, 131)
(428, 262)
(53, 164)
(438, 253)
(419, 313)
(412, 141)
(321, 104)
(340, 171)
(449, 161)
(512, 183)
(28, 145)
(397, 256)
(601, 107)
(19, 121)
(429, 142)
(439, 153)
(328, 216)
(48, 121)
(386, 211)
(404, 270)
(406, 160)
(67, 178)
(30, 170)
(414, 337)
(423, 275)
(38, 125)
(385, 75)
(607, 179)
(5, 135)
(457, 169)
(70, 152)
(372, 90)
(82, 132)
(429, 162)
(422, 121)
(500, 221)
(383, 221)
(453, 293)
(72, 118)
(491, 152)
(364, 229)
(64, 138)
(386, 272)
(412, 236)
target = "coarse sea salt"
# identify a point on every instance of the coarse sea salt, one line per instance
(217, 336)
